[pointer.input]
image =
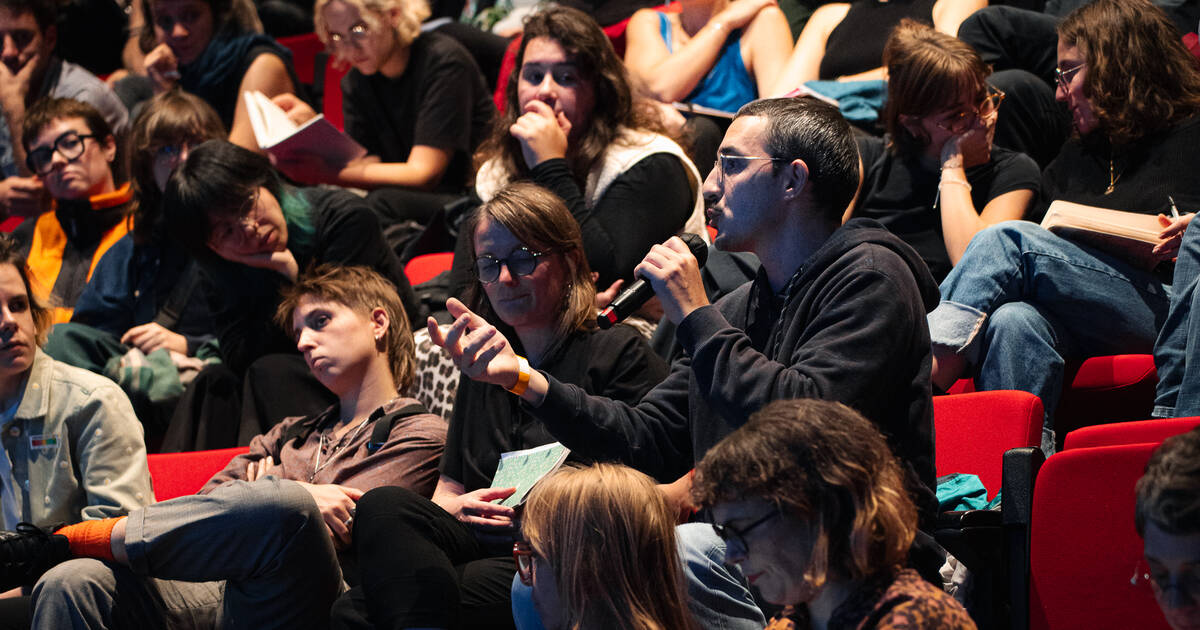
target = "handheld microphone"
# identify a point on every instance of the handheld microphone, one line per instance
(636, 294)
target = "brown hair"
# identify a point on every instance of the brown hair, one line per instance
(824, 463)
(362, 290)
(407, 24)
(10, 254)
(1139, 77)
(170, 118)
(588, 47)
(47, 110)
(603, 529)
(541, 221)
(1169, 492)
(233, 16)
(927, 71)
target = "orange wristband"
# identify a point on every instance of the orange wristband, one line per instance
(523, 375)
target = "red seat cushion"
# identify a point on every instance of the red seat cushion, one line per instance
(427, 266)
(1136, 432)
(178, 474)
(1083, 545)
(972, 432)
(331, 96)
(304, 54)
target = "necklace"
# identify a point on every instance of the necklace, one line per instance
(1113, 176)
(317, 465)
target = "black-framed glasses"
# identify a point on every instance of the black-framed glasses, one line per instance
(729, 533)
(962, 121)
(1187, 582)
(1063, 77)
(356, 37)
(520, 262)
(70, 145)
(523, 555)
(234, 226)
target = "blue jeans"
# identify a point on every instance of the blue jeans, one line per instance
(717, 594)
(1022, 301)
(1178, 379)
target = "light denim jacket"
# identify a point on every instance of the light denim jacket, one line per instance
(76, 447)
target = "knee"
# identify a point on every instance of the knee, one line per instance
(75, 581)
(1021, 326)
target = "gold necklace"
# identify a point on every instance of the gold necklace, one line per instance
(1113, 176)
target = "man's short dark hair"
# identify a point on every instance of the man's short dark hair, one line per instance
(45, 12)
(813, 131)
(47, 110)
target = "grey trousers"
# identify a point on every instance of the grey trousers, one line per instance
(247, 555)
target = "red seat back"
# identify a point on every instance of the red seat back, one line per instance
(304, 54)
(426, 266)
(1083, 545)
(1136, 432)
(178, 474)
(972, 432)
(331, 94)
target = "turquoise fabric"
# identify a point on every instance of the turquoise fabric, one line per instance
(962, 492)
(860, 101)
(728, 85)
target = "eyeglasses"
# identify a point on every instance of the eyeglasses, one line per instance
(521, 262)
(174, 150)
(1063, 77)
(962, 121)
(727, 164)
(234, 226)
(523, 555)
(1187, 582)
(356, 37)
(728, 533)
(70, 145)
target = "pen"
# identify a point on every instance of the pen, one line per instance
(1174, 210)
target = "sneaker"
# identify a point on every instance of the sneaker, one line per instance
(27, 553)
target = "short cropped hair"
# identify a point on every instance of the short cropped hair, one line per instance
(45, 12)
(824, 463)
(10, 254)
(816, 132)
(1169, 492)
(47, 110)
(362, 290)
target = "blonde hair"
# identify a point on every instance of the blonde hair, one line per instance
(603, 529)
(409, 15)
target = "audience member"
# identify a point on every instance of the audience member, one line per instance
(251, 235)
(144, 293)
(812, 507)
(937, 179)
(571, 125)
(415, 100)
(447, 563)
(1167, 519)
(214, 49)
(1021, 301)
(30, 71)
(590, 536)
(270, 522)
(835, 313)
(71, 148)
(1177, 348)
(845, 40)
(73, 449)
(716, 54)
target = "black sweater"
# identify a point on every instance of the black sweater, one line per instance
(849, 327)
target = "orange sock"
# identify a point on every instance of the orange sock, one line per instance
(91, 539)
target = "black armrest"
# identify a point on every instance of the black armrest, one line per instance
(1021, 466)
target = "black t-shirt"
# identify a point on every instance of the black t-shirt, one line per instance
(899, 193)
(440, 101)
(616, 363)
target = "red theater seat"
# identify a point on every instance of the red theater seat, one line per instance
(304, 55)
(331, 93)
(427, 266)
(972, 432)
(179, 474)
(1136, 432)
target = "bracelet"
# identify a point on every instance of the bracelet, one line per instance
(523, 374)
(957, 182)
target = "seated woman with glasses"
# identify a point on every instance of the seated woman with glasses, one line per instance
(1168, 520)
(937, 179)
(1022, 300)
(417, 102)
(70, 146)
(812, 506)
(251, 235)
(447, 562)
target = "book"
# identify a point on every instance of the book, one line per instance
(524, 469)
(1130, 236)
(284, 139)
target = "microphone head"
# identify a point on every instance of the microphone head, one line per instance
(697, 245)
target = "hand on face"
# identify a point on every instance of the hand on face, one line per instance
(542, 133)
(163, 68)
(22, 196)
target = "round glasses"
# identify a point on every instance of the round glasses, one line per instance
(729, 534)
(520, 262)
(962, 121)
(356, 37)
(1063, 77)
(70, 145)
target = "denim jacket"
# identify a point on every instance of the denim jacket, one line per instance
(76, 447)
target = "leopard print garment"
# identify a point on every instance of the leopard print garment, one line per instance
(435, 381)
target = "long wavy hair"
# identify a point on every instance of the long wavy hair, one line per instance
(540, 221)
(825, 464)
(603, 529)
(615, 107)
(927, 71)
(1139, 77)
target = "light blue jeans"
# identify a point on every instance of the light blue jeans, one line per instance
(1178, 379)
(717, 594)
(1022, 300)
